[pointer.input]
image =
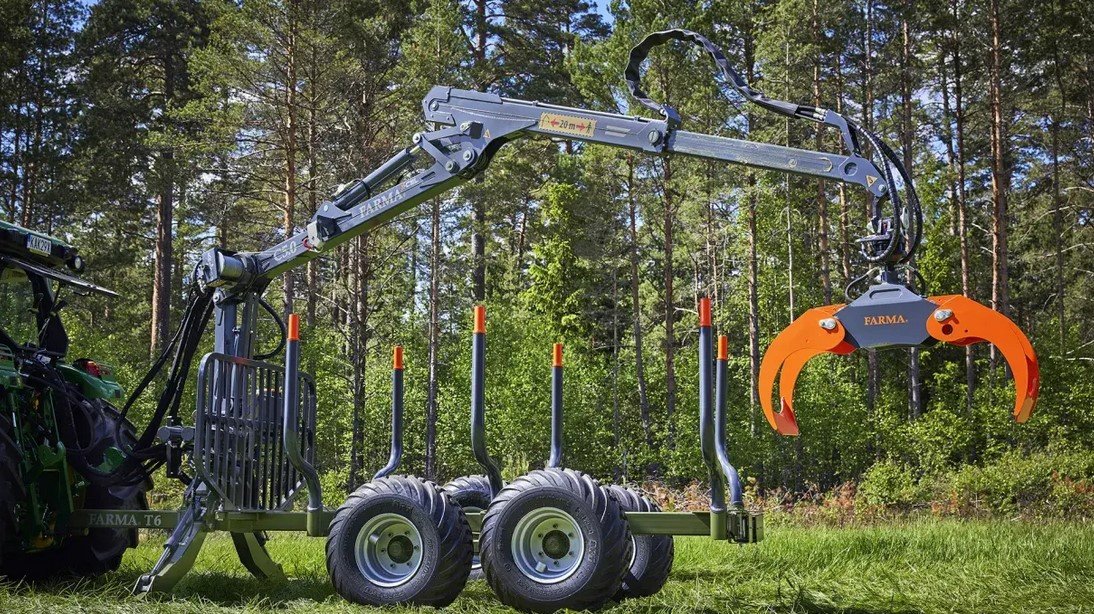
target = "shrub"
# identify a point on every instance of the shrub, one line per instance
(889, 484)
(1052, 483)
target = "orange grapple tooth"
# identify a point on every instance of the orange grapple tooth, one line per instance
(962, 321)
(791, 349)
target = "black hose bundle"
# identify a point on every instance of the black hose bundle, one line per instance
(146, 456)
(890, 161)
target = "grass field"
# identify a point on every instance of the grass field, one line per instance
(926, 566)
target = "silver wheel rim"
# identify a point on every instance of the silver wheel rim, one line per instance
(388, 550)
(547, 545)
(634, 553)
(476, 562)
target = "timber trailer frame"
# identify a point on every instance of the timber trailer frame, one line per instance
(251, 447)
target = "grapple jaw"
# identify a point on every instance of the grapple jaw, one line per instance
(891, 315)
(962, 321)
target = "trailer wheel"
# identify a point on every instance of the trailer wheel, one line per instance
(473, 494)
(554, 539)
(651, 555)
(399, 540)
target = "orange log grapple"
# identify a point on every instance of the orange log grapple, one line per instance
(892, 315)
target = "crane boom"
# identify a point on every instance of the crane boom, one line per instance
(472, 128)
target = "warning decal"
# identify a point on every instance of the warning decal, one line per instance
(567, 124)
(870, 179)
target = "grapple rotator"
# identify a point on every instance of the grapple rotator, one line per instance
(891, 315)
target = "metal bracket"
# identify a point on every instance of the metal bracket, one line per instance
(251, 548)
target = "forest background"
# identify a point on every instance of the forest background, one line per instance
(145, 131)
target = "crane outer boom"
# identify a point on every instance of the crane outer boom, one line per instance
(473, 127)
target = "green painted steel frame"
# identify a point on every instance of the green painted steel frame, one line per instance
(735, 526)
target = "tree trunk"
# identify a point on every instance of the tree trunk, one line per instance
(478, 208)
(290, 143)
(1058, 229)
(161, 276)
(962, 202)
(1000, 170)
(753, 258)
(669, 305)
(434, 340)
(915, 385)
(313, 193)
(822, 198)
(359, 341)
(636, 307)
(844, 211)
(617, 422)
(874, 374)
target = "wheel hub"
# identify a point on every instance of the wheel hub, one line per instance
(388, 550)
(548, 545)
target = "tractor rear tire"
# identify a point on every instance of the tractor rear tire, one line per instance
(651, 558)
(11, 484)
(399, 540)
(473, 494)
(101, 550)
(554, 539)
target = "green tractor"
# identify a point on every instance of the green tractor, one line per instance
(62, 440)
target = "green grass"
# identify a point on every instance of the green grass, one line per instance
(926, 566)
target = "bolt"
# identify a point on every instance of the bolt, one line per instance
(654, 136)
(569, 535)
(467, 155)
(393, 565)
(883, 188)
(539, 535)
(828, 324)
(554, 526)
(450, 166)
(571, 553)
(433, 106)
(540, 554)
(417, 138)
(465, 126)
(943, 314)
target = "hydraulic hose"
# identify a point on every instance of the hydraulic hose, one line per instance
(851, 131)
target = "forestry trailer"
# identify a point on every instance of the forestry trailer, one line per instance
(73, 471)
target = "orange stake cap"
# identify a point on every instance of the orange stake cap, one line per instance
(556, 358)
(723, 347)
(704, 311)
(294, 327)
(397, 358)
(480, 319)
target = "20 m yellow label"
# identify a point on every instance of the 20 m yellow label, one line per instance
(567, 124)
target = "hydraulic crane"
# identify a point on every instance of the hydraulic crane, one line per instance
(468, 129)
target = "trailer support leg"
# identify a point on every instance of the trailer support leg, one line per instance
(179, 553)
(251, 548)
